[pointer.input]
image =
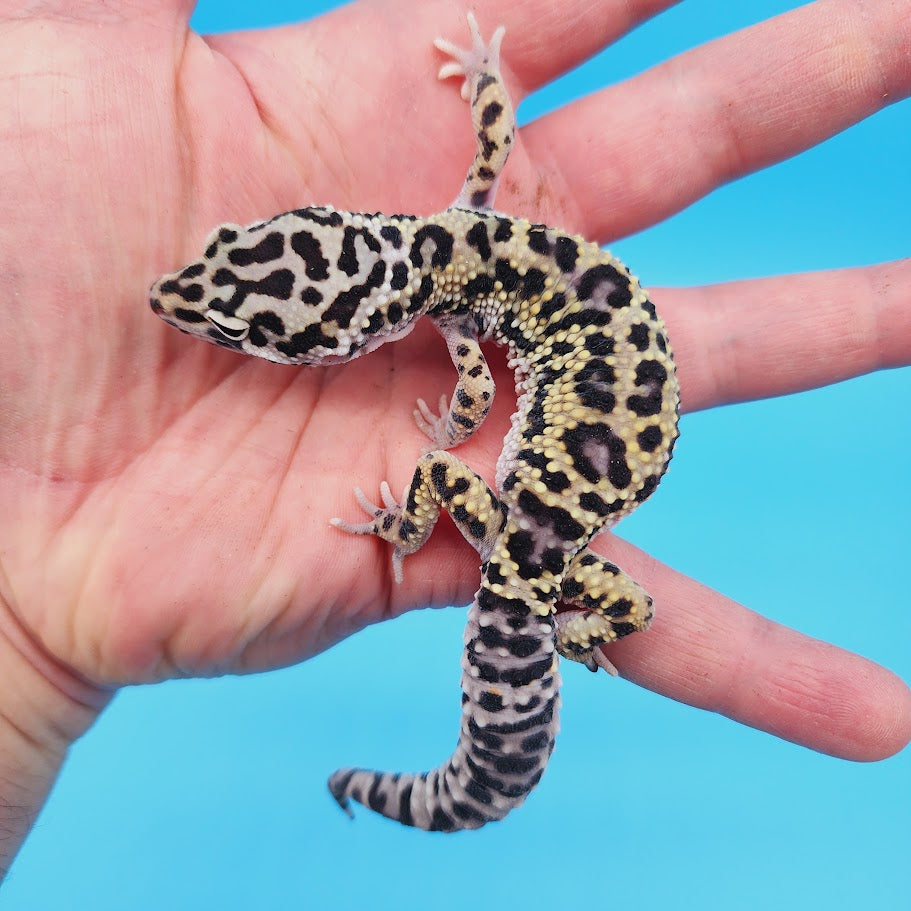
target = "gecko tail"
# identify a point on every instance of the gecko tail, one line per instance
(437, 801)
(509, 724)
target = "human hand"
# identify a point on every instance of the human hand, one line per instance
(166, 503)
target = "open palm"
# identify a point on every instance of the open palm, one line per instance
(165, 503)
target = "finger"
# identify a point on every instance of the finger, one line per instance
(753, 339)
(648, 147)
(709, 652)
(19, 9)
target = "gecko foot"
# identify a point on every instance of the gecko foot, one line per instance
(467, 63)
(435, 425)
(385, 523)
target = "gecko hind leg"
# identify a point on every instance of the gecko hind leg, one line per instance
(491, 111)
(604, 605)
(440, 481)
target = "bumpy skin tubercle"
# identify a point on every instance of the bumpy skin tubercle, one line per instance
(592, 435)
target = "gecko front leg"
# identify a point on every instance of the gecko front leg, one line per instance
(473, 394)
(440, 481)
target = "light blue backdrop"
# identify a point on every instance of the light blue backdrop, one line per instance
(212, 794)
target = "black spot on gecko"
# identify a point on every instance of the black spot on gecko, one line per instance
(394, 313)
(597, 451)
(650, 438)
(599, 345)
(484, 80)
(374, 323)
(308, 248)
(525, 674)
(480, 735)
(467, 813)
(302, 342)
(189, 316)
(442, 242)
(347, 260)
(478, 792)
(532, 283)
(404, 814)
(593, 503)
(311, 296)
(421, 296)
(619, 295)
(399, 276)
(491, 113)
(491, 702)
(277, 284)
(268, 320)
(648, 487)
(319, 215)
(345, 305)
(376, 800)
(477, 238)
(391, 234)
(571, 589)
(552, 306)
(649, 371)
(535, 743)
(477, 528)
(566, 254)
(190, 293)
(538, 242)
(440, 821)
(504, 230)
(653, 375)
(638, 336)
(558, 518)
(594, 384)
(506, 275)
(520, 546)
(193, 271)
(227, 235)
(271, 247)
(480, 286)
(594, 318)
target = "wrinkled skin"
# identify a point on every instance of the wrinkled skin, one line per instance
(165, 503)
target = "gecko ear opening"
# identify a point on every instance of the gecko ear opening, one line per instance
(231, 327)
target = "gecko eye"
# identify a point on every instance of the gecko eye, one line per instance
(231, 327)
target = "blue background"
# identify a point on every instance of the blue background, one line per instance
(211, 794)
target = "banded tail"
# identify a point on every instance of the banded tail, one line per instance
(510, 702)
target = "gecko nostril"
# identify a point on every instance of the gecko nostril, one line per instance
(155, 304)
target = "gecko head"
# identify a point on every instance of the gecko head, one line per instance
(197, 299)
(312, 286)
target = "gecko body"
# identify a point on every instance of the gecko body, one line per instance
(593, 432)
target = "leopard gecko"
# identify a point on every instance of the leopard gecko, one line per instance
(593, 432)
